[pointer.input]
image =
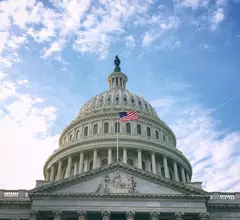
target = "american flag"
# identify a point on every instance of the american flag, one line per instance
(128, 116)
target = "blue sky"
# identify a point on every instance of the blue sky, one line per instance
(181, 55)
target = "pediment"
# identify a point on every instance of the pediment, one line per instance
(117, 179)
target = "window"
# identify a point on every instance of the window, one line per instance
(117, 99)
(95, 129)
(132, 100)
(91, 165)
(104, 162)
(109, 98)
(130, 162)
(164, 138)
(139, 129)
(112, 81)
(72, 171)
(117, 127)
(120, 81)
(146, 106)
(117, 81)
(86, 131)
(125, 99)
(70, 138)
(106, 127)
(128, 128)
(77, 134)
(171, 175)
(148, 132)
(157, 134)
(143, 165)
(162, 171)
(139, 103)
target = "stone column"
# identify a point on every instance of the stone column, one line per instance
(165, 164)
(69, 165)
(33, 215)
(176, 177)
(80, 165)
(154, 215)
(82, 215)
(57, 215)
(106, 215)
(130, 215)
(59, 170)
(47, 175)
(109, 155)
(203, 216)
(139, 159)
(75, 168)
(179, 216)
(183, 175)
(124, 155)
(52, 171)
(188, 178)
(94, 158)
(153, 163)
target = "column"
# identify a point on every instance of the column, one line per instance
(154, 215)
(75, 168)
(80, 165)
(86, 165)
(33, 215)
(106, 215)
(124, 155)
(179, 216)
(183, 175)
(188, 178)
(52, 171)
(47, 175)
(82, 215)
(153, 163)
(57, 215)
(59, 170)
(94, 159)
(203, 216)
(69, 165)
(109, 155)
(130, 215)
(139, 159)
(165, 164)
(175, 169)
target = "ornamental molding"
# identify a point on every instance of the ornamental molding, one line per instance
(223, 205)
(130, 215)
(118, 166)
(154, 215)
(203, 216)
(179, 215)
(15, 204)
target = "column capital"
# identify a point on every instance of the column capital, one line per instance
(57, 215)
(33, 215)
(106, 215)
(179, 215)
(82, 215)
(154, 215)
(203, 216)
(130, 215)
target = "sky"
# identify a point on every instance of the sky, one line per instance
(180, 55)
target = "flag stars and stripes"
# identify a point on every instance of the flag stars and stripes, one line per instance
(128, 116)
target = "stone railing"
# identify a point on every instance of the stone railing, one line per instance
(14, 194)
(222, 196)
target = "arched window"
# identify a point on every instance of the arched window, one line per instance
(72, 171)
(91, 165)
(130, 162)
(117, 81)
(86, 131)
(117, 127)
(143, 165)
(139, 129)
(120, 81)
(148, 132)
(128, 127)
(70, 138)
(95, 129)
(157, 134)
(125, 99)
(77, 134)
(162, 171)
(104, 162)
(164, 138)
(106, 127)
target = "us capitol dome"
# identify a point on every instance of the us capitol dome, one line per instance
(89, 141)
(106, 170)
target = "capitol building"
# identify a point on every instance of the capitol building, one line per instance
(110, 170)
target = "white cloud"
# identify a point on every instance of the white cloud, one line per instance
(130, 42)
(148, 38)
(217, 18)
(25, 122)
(194, 4)
(64, 69)
(164, 102)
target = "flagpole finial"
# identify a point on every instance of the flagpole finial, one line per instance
(117, 64)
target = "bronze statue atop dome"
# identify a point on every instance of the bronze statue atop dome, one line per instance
(117, 64)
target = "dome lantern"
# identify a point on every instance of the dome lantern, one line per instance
(117, 79)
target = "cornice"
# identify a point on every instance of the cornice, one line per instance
(126, 168)
(224, 205)
(15, 204)
(123, 139)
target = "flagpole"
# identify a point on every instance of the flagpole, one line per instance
(117, 136)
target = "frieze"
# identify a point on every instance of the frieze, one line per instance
(117, 183)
